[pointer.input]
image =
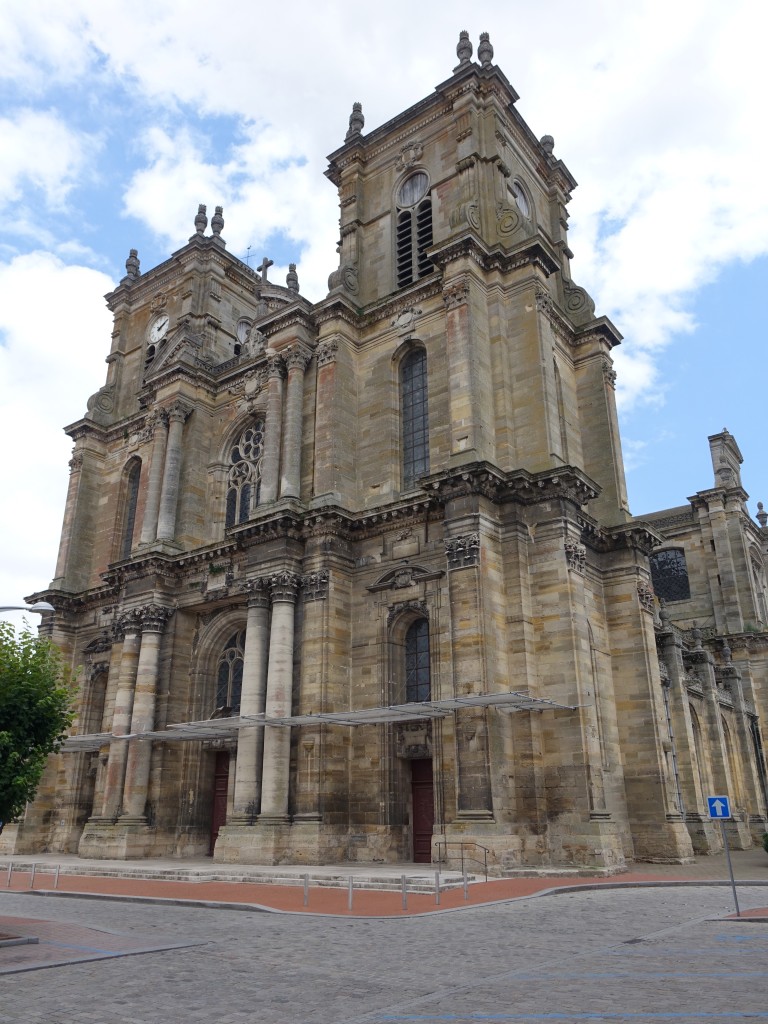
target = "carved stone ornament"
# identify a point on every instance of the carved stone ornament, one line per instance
(463, 551)
(154, 617)
(159, 301)
(406, 319)
(101, 402)
(397, 609)
(544, 303)
(646, 596)
(344, 277)
(315, 585)
(297, 357)
(466, 213)
(326, 352)
(508, 220)
(455, 294)
(609, 374)
(257, 591)
(576, 556)
(579, 303)
(76, 462)
(413, 739)
(410, 154)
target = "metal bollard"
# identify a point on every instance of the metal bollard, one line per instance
(466, 885)
(10, 872)
(404, 885)
(349, 894)
(437, 888)
(32, 877)
(56, 877)
(306, 890)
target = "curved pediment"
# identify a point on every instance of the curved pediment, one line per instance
(405, 575)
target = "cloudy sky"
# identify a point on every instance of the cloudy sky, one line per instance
(117, 119)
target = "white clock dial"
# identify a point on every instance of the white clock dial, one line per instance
(159, 328)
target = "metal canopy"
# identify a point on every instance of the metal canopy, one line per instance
(220, 728)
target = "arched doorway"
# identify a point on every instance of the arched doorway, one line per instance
(422, 809)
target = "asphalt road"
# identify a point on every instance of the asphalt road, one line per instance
(611, 956)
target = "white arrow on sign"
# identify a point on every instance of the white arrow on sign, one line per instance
(719, 807)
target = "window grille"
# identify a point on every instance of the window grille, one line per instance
(413, 230)
(244, 479)
(417, 666)
(229, 674)
(669, 573)
(415, 419)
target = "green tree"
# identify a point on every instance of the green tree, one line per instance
(36, 707)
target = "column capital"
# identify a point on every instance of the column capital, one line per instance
(275, 365)
(325, 352)
(315, 585)
(76, 462)
(258, 592)
(297, 357)
(154, 617)
(456, 293)
(178, 411)
(129, 622)
(463, 551)
(284, 586)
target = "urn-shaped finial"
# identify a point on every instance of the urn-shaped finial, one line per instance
(356, 122)
(762, 515)
(132, 265)
(201, 221)
(292, 279)
(463, 50)
(547, 144)
(485, 50)
(217, 221)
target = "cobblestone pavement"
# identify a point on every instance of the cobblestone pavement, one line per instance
(611, 956)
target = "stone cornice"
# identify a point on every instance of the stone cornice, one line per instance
(524, 488)
(533, 252)
(67, 603)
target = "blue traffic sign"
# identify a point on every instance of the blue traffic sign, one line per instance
(719, 806)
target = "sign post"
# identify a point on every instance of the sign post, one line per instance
(720, 810)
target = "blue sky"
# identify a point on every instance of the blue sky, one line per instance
(118, 119)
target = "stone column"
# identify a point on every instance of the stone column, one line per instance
(297, 359)
(273, 428)
(327, 408)
(250, 743)
(153, 621)
(169, 496)
(154, 487)
(468, 646)
(121, 719)
(277, 740)
(313, 680)
(75, 474)
(462, 371)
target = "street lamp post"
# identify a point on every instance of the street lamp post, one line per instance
(40, 607)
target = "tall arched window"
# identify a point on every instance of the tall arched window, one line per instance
(418, 684)
(415, 419)
(669, 573)
(414, 229)
(229, 674)
(129, 503)
(244, 479)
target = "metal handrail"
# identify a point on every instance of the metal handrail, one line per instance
(462, 844)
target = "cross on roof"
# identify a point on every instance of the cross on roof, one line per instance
(263, 267)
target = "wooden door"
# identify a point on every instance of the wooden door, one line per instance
(220, 787)
(423, 815)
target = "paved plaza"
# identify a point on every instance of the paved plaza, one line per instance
(658, 954)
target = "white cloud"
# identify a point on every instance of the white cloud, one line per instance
(37, 148)
(54, 337)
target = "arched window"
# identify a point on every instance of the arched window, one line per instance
(669, 573)
(418, 684)
(244, 479)
(229, 675)
(129, 503)
(414, 229)
(415, 420)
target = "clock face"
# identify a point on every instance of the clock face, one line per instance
(159, 328)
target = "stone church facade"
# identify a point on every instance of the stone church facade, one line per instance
(357, 580)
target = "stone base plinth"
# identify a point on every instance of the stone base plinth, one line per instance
(704, 833)
(125, 839)
(662, 842)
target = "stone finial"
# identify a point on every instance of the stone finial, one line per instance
(664, 615)
(547, 144)
(292, 279)
(463, 50)
(132, 271)
(485, 50)
(696, 636)
(201, 221)
(762, 515)
(217, 221)
(356, 122)
(726, 653)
